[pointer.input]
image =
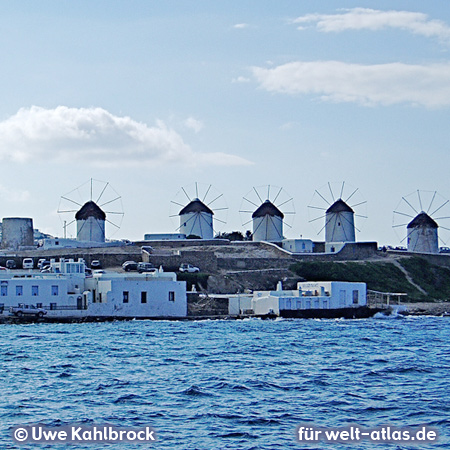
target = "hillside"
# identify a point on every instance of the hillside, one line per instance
(420, 279)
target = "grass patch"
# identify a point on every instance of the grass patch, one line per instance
(435, 280)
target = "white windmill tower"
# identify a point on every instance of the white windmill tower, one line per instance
(339, 204)
(199, 216)
(422, 231)
(90, 223)
(340, 222)
(90, 199)
(267, 219)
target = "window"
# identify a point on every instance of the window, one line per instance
(19, 290)
(34, 291)
(38, 305)
(355, 297)
(126, 295)
(143, 297)
(54, 290)
(4, 290)
(53, 306)
(171, 296)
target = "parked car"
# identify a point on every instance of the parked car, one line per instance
(42, 263)
(11, 264)
(27, 263)
(145, 267)
(29, 310)
(130, 265)
(189, 268)
(96, 264)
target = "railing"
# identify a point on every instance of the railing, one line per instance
(378, 299)
(63, 307)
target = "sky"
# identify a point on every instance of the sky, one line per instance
(149, 98)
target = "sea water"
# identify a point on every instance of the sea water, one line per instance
(244, 384)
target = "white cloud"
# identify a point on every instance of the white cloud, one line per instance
(93, 136)
(287, 126)
(372, 19)
(240, 79)
(384, 84)
(193, 124)
(241, 25)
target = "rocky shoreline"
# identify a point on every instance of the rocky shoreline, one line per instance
(428, 308)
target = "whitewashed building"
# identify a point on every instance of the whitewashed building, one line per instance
(145, 295)
(66, 292)
(298, 245)
(327, 299)
(164, 236)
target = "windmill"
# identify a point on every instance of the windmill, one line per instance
(423, 212)
(89, 207)
(203, 210)
(341, 206)
(269, 208)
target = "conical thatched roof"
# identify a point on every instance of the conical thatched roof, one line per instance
(339, 206)
(195, 206)
(90, 209)
(422, 220)
(267, 209)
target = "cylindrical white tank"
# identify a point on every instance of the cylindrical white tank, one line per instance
(90, 223)
(267, 223)
(17, 232)
(339, 223)
(423, 234)
(196, 219)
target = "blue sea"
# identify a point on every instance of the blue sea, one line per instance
(244, 384)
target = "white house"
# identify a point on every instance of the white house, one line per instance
(313, 299)
(298, 245)
(67, 292)
(157, 294)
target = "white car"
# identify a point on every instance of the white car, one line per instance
(29, 310)
(27, 263)
(189, 268)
